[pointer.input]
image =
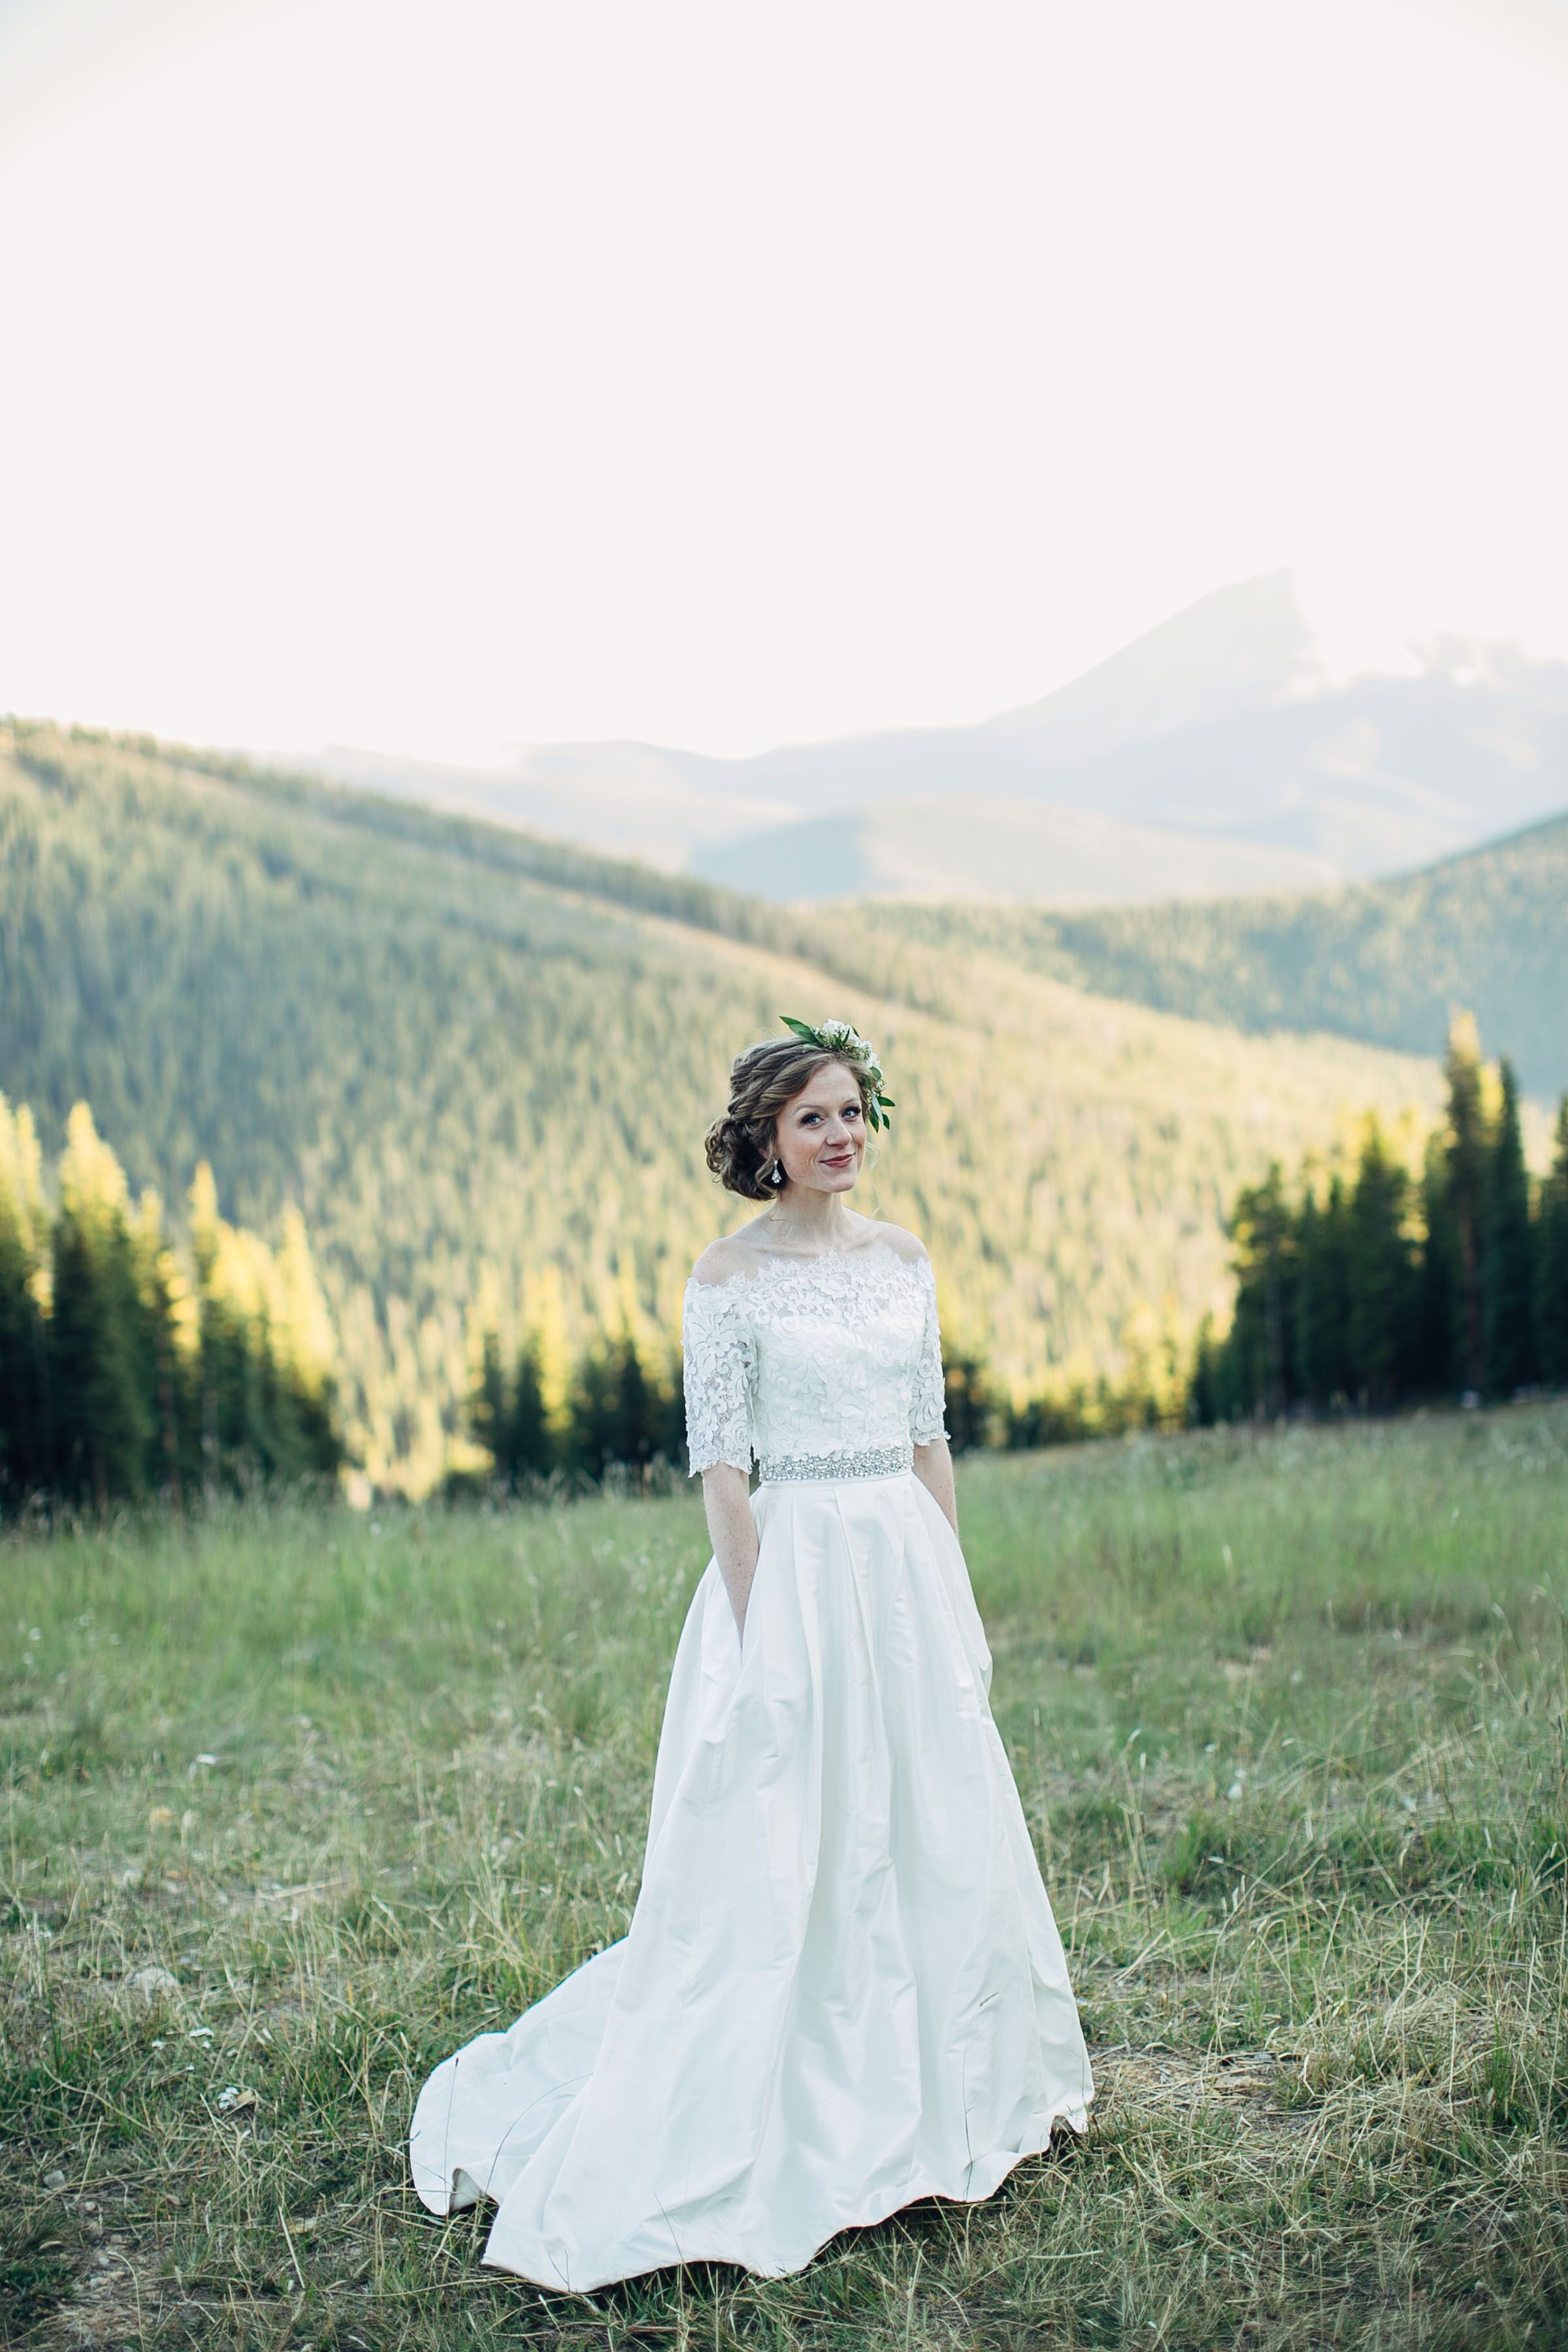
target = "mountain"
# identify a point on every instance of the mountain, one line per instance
(1243, 648)
(1375, 774)
(998, 849)
(1385, 961)
(1219, 726)
(481, 1063)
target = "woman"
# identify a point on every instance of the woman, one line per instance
(843, 1988)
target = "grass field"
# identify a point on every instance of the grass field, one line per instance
(297, 1801)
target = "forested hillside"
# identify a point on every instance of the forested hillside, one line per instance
(482, 1065)
(1386, 962)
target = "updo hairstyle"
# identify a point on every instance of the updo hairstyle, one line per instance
(740, 1147)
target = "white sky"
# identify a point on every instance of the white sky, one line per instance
(439, 376)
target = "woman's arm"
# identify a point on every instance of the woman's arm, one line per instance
(933, 1468)
(727, 1498)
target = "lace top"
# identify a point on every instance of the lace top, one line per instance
(812, 1355)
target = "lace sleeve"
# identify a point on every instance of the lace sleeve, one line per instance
(719, 1362)
(930, 1396)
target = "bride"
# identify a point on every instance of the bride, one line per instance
(843, 1988)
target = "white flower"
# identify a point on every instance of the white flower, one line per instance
(843, 1039)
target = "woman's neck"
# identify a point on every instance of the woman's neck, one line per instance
(806, 1218)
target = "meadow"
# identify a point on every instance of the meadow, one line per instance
(299, 1799)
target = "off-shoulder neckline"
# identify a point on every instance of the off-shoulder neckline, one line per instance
(790, 1262)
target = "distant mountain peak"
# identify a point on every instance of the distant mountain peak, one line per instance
(1242, 648)
(1220, 725)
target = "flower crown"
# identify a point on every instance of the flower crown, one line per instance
(841, 1039)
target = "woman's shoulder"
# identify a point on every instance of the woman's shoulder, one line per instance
(900, 1241)
(723, 1259)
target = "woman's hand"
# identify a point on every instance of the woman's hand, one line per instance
(727, 1498)
(933, 1468)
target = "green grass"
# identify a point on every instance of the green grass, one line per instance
(1287, 1712)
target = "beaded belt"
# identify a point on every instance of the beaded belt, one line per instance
(861, 1461)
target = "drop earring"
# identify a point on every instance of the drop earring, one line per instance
(777, 1176)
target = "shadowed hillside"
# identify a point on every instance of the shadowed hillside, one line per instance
(482, 1064)
(1386, 962)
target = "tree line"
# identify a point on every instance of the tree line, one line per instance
(484, 1078)
(130, 1368)
(1373, 1287)
(1358, 1286)
(620, 1414)
(131, 1365)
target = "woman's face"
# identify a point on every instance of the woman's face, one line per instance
(820, 1134)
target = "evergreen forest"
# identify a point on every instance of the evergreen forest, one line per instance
(1378, 1284)
(1387, 962)
(129, 1367)
(479, 1066)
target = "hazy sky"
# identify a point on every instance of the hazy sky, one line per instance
(435, 377)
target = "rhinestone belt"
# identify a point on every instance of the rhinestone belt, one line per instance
(861, 1461)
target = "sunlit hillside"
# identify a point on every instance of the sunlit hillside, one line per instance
(482, 1064)
(1385, 961)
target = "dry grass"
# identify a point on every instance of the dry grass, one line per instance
(1287, 1716)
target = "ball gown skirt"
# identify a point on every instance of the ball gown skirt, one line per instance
(843, 1988)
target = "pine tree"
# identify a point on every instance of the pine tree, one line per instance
(509, 1417)
(1323, 1369)
(672, 1445)
(218, 1375)
(1436, 1369)
(299, 1339)
(1382, 1288)
(529, 1440)
(1552, 1262)
(548, 1326)
(1259, 1346)
(593, 1417)
(25, 1453)
(1203, 1386)
(488, 1405)
(171, 1392)
(967, 1405)
(620, 1414)
(636, 1425)
(101, 1363)
(1508, 1257)
(1466, 1152)
(263, 1352)
(1304, 1325)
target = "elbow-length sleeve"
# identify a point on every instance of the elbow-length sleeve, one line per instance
(719, 1358)
(930, 1396)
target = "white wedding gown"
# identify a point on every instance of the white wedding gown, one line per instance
(843, 1988)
